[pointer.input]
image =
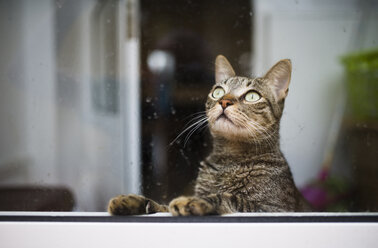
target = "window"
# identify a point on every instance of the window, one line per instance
(92, 94)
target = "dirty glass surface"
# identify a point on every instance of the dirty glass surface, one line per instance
(94, 94)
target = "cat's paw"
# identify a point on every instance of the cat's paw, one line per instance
(185, 206)
(127, 205)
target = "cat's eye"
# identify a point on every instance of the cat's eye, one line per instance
(218, 92)
(252, 96)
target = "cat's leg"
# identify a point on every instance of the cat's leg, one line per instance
(206, 205)
(133, 205)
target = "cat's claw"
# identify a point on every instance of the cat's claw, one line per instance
(185, 206)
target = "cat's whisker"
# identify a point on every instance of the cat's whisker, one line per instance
(205, 126)
(194, 130)
(254, 137)
(197, 113)
(195, 118)
(253, 127)
(200, 113)
(241, 120)
(261, 129)
(269, 136)
(266, 140)
(252, 134)
(188, 128)
(212, 115)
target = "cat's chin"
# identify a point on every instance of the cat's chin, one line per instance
(224, 120)
(223, 126)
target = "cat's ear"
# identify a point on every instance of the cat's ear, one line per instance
(223, 69)
(279, 76)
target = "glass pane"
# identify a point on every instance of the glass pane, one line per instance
(100, 98)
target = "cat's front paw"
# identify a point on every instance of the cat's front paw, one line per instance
(185, 206)
(127, 205)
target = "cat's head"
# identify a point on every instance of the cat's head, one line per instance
(247, 108)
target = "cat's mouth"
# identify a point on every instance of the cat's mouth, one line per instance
(224, 117)
(226, 124)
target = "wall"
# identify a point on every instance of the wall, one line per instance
(314, 35)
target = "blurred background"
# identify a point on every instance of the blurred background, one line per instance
(92, 94)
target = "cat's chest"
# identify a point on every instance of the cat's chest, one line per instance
(233, 179)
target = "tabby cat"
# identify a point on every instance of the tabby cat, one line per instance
(246, 171)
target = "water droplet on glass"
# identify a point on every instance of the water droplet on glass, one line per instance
(148, 99)
(173, 110)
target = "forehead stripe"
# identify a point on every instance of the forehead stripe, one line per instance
(250, 82)
(227, 80)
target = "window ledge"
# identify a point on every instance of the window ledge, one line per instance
(86, 229)
(313, 217)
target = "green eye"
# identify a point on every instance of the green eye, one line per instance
(252, 96)
(218, 93)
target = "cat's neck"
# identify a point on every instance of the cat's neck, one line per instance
(226, 149)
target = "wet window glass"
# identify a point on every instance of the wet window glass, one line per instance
(100, 98)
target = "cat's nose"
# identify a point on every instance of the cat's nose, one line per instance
(225, 103)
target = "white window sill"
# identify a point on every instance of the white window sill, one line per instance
(62, 229)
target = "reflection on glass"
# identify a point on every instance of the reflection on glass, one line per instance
(93, 94)
(190, 35)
